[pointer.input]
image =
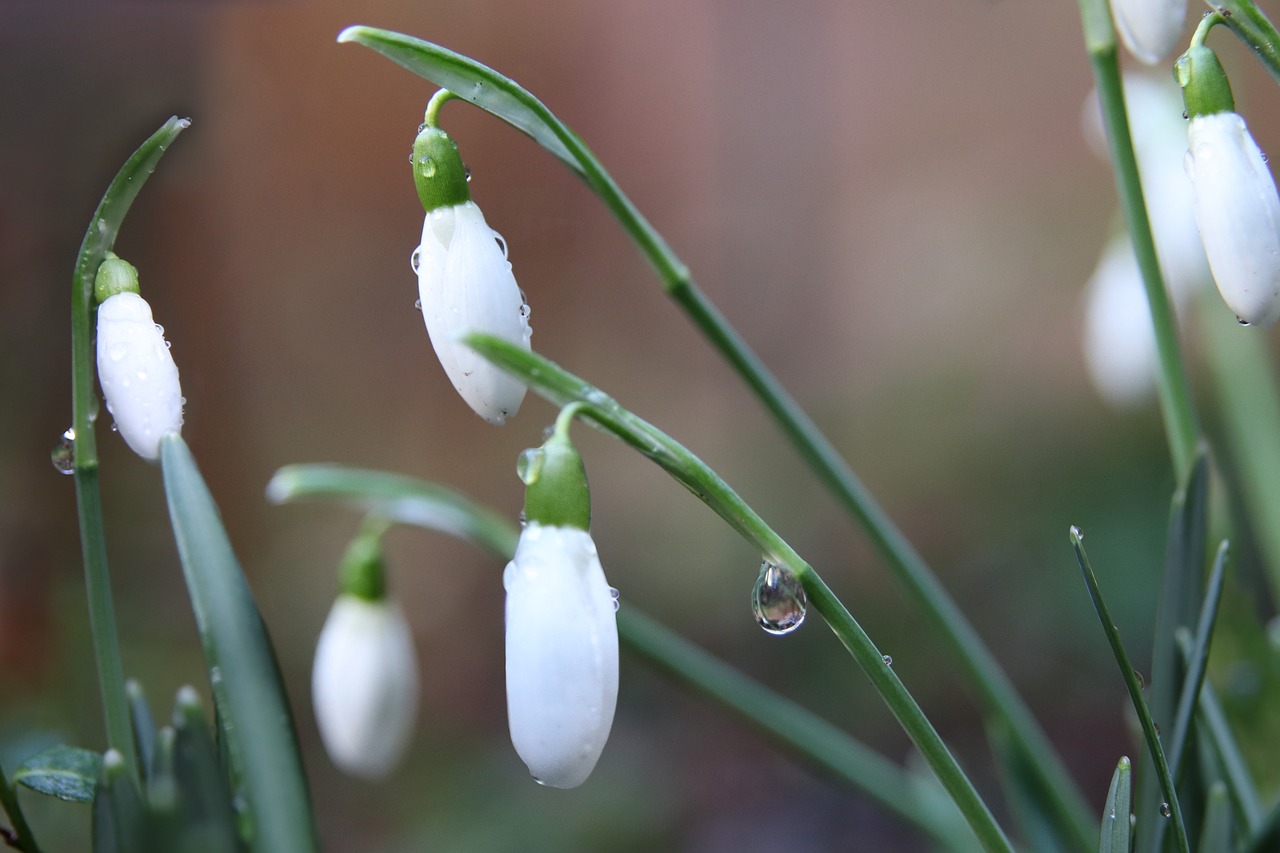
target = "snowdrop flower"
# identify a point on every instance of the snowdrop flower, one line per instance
(562, 632)
(465, 282)
(138, 377)
(1149, 28)
(1237, 206)
(1119, 341)
(364, 682)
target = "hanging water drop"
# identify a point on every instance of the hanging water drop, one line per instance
(616, 596)
(1165, 811)
(778, 600)
(529, 465)
(417, 303)
(466, 173)
(415, 259)
(1242, 321)
(1077, 532)
(63, 455)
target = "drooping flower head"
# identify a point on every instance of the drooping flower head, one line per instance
(135, 369)
(364, 681)
(465, 282)
(1149, 28)
(1237, 206)
(562, 632)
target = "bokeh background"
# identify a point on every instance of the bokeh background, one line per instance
(893, 203)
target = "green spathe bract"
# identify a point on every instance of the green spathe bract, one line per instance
(556, 491)
(438, 171)
(115, 275)
(1205, 87)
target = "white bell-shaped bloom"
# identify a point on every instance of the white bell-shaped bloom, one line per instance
(466, 285)
(364, 685)
(1119, 341)
(1238, 212)
(138, 377)
(1150, 28)
(562, 654)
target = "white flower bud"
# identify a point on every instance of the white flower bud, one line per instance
(1149, 28)
(1238, 212)
(466, 285)
(562, 654)
(364, 686)
(138, 377)
(1119, 341)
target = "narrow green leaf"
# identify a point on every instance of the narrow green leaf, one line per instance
(399, 498)
(1253, 28)
(1244, 795)
(119, 817)
(1266, 838)
(474, 82)
(1216, 832)
(1130, 677)
(1031, 805)
(1196, 661)
(1115, 815)
(66, 772)
(250, 698)
(25, 839)
(144, 725)
(202, 788)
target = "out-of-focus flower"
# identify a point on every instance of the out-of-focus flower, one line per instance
(364, 681)
(135, 369)
(1119, 341)
(465, 282)
(1149, 28)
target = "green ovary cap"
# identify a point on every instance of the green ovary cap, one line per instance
(438, 171)
(363, 573)
(1205, 87)
(115, 275)
(556, 492)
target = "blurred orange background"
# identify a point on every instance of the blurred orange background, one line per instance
(892, 202)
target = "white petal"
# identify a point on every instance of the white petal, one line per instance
(562, 654)
(364, 686)
(1119, 341)
(1238, 212)
(466, 285)
(1150, 28)
(138, 377)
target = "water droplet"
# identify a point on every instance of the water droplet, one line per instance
(1142, 682)
(63, 455)
(778, 600)
(118, 351)
(525, 311)
(1077, 533)
(142, 376)
(529, 465)
(426, 167)
(415, 259)
(616, 596)
(159, 330)
(521, 517)
(501, 242)
(1264, 157)
(1186, 114)
(422, 127)
(1165, 811)
(417, 303)
(466, 174)
(1242, 321)
(888, 660)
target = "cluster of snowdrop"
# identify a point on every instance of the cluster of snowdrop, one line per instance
(1214, 179)
(561, 627)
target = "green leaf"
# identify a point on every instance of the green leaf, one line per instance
(66, 772)
(1129, 674)
(1216, 832)
(1266, 838)
(251, 703)
(203, 794)
(1253, 28)
(119, 817)
(406, 500)
(144, 725)
(473, 82)
(1226, 750)
(1031, 805)
(1196, 662)
(1115, 816)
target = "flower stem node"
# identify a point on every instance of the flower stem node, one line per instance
(465, 282)
(364, 685)
(135, 368)
(1150, 29)
(562, 654)
(1238, 213)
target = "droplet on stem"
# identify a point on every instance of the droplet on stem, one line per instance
(63, 455)
(778, 600)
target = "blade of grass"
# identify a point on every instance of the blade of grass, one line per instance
(1244, 795)
(561, 387)
(1216, 832)
(1196, 661)
(1135, 691)
(98, 240)
(253, 709)
(412, 501)
(520, 108)
(1115, 815)
(22, 837)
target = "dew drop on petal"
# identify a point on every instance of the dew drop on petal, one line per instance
(1242, 321)
(616, 596)
(501, 242)
(415, 258)
(529, 465)
(778, 600)
(417, 303)
(63, 455)
(118, 351)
